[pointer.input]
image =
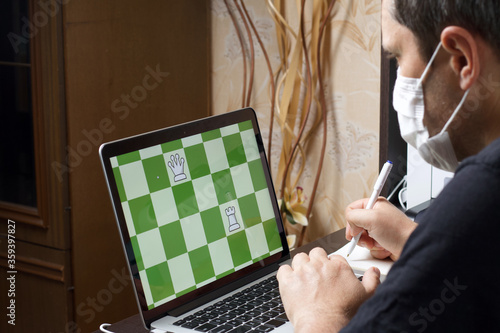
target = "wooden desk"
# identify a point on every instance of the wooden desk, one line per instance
(330, 243)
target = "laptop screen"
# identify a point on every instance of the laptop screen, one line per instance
(196, 209)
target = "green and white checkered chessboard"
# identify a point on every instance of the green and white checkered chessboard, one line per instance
(197, 209)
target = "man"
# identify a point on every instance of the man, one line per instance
(445, 275)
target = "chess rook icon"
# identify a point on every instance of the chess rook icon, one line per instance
(233, 223)
(176, 164)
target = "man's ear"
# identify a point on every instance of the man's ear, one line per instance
(464, 50)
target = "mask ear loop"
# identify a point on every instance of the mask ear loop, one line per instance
(459, 106)
(424, 74)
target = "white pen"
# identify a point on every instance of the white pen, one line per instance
(379, 184)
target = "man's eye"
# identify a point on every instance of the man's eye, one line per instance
(392, 56)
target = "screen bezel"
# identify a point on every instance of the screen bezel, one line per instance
(153, 138)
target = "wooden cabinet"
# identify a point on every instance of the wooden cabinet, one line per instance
(101, 70)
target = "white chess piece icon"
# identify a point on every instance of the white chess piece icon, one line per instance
(176, 163)
(233, 223)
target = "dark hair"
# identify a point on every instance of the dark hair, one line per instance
(428, 18)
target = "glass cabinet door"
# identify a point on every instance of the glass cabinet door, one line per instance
(17, 161)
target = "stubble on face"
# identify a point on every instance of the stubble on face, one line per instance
(442, 95)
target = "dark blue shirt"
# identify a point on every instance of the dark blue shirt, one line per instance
(448, 276)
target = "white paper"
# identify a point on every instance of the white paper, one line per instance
(361, 259)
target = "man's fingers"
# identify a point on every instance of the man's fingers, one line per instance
(377, 246)
(283, 271)
(354, 230)
(299, 259)
(380, 254)
(318, 253)
(366, 241)
(358, 204)
(371, 280)
(348, 232)
(359, 218)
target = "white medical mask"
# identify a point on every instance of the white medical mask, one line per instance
(408, 101)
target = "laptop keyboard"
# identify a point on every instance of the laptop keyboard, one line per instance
(255, 309)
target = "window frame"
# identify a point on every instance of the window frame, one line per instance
(50, 217)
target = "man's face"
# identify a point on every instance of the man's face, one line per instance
(440, 93)
(400, 43)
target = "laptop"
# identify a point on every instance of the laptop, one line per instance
(200, 225)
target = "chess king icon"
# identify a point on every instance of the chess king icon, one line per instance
(176, 164)
(233, 223)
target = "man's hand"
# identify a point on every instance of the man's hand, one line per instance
(322, 294)
(385, 228)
